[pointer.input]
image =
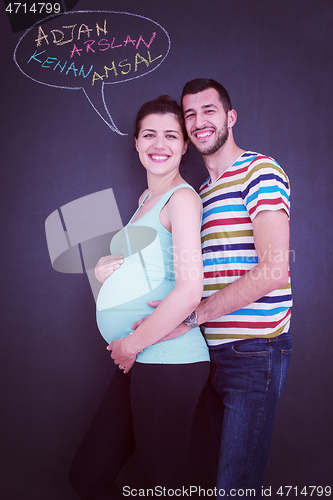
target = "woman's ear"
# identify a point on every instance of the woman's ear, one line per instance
(136, 144)
(185, 147)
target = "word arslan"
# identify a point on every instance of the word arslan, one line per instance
(104, 44)
(67, 34)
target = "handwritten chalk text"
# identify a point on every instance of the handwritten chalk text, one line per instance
(114, 68)
(69, 33)
(103, 44)
(139, 59)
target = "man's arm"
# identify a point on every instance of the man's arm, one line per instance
(271, 240)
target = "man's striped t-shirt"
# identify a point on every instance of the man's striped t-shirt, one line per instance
(253, 183)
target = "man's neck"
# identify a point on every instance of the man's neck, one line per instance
(220, 161)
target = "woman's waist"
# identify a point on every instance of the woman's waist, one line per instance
(190, 347)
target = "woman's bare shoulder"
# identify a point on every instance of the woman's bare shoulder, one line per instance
(185, 195)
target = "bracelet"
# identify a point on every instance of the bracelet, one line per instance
(133, 345)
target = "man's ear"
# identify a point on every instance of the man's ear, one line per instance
(232, 118)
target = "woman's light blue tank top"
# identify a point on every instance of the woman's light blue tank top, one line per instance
(147, 274)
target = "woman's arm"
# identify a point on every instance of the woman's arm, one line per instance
(184, 211)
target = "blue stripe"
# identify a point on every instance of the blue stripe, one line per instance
(231, 260)
(225, 196)
(226, 208)
(267, 189)
(247, 158)
(227, 248)
(272, 300)
(264, 177)
(258, 312)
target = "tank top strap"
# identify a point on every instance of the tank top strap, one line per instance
(136, 211)
(166, 197)
(153, 217)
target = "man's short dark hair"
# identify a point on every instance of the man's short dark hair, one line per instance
(200, 84)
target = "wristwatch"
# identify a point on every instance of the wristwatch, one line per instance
(191, 320)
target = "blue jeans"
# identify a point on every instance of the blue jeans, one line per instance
(247, 380)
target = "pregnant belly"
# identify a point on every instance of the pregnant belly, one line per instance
(115, 323)
(123, 298)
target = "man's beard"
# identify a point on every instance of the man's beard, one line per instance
(222, 136)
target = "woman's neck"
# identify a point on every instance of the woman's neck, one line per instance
(158, 185)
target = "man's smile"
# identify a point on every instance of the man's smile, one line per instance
(203, 133)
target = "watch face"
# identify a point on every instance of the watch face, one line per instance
(191, 317)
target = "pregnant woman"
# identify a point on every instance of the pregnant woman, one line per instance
(150, 402)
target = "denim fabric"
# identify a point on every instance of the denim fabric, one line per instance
(248, 379)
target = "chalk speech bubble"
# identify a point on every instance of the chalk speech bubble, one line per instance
(90, 49)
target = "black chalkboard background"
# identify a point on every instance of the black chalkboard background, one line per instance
(275, 58)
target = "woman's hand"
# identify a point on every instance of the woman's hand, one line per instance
(122, 353)
(107, 265)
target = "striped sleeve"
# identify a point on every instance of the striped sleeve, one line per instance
(266, 187)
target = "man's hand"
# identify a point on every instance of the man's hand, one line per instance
(177, 332)
(107, 265)
(122, 354)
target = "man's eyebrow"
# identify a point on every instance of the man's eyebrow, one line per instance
(209, 106)
(204, 106)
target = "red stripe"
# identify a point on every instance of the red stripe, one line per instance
(260, 157)
(224, 273)
(268, 202)
(226, 222)
(235, 172)
(227, 272)
(245, 324)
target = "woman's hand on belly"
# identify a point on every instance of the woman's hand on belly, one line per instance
(122, 353)
(107, 265)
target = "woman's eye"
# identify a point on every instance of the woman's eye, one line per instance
(170, 136)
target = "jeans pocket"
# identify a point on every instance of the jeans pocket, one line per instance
(285, 360)
(251, 349)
